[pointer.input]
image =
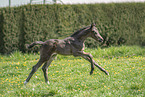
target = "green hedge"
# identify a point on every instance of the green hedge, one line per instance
(119, 24)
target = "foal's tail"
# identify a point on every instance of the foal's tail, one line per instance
(34, 43)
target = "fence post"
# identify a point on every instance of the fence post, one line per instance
(9, 3)
(30, 1)
(44, 1)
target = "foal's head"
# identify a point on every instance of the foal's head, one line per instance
(95, 34)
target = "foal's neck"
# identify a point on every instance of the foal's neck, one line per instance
(83, 35)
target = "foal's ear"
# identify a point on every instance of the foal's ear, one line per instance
(93, 25)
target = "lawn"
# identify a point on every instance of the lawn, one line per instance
(69, 76)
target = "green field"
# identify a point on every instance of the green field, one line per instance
(69, 76)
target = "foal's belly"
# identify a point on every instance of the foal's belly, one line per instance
(68, 46)
(64, 49)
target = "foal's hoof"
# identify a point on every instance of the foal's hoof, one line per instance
(25, 83)
(106, 73)
(47, 82)
(91, 72)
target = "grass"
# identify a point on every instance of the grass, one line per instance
(70, 77)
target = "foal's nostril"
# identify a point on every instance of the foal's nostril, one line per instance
(100, 40)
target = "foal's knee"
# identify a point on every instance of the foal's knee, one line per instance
(90, 55)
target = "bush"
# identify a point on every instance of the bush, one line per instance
(118, 24)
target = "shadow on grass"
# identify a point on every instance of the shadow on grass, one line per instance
(51, 93)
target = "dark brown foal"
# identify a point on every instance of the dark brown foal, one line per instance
(73, 45)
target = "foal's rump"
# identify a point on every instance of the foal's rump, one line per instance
(50, 42)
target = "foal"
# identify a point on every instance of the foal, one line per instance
(73, 45)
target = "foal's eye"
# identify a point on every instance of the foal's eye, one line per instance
(94, 32)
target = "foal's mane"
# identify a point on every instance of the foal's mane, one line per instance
(78, 31)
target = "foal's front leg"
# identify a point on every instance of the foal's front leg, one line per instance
(102, 69)
(88, 57)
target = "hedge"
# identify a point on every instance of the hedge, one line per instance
(118, 23)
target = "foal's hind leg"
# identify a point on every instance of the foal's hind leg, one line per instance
(34, 69)
(45, 51)
(46, 65)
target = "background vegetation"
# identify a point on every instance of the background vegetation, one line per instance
(118, 24)
(69, 76)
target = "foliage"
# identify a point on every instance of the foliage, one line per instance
(119, 24)
(69, 76)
